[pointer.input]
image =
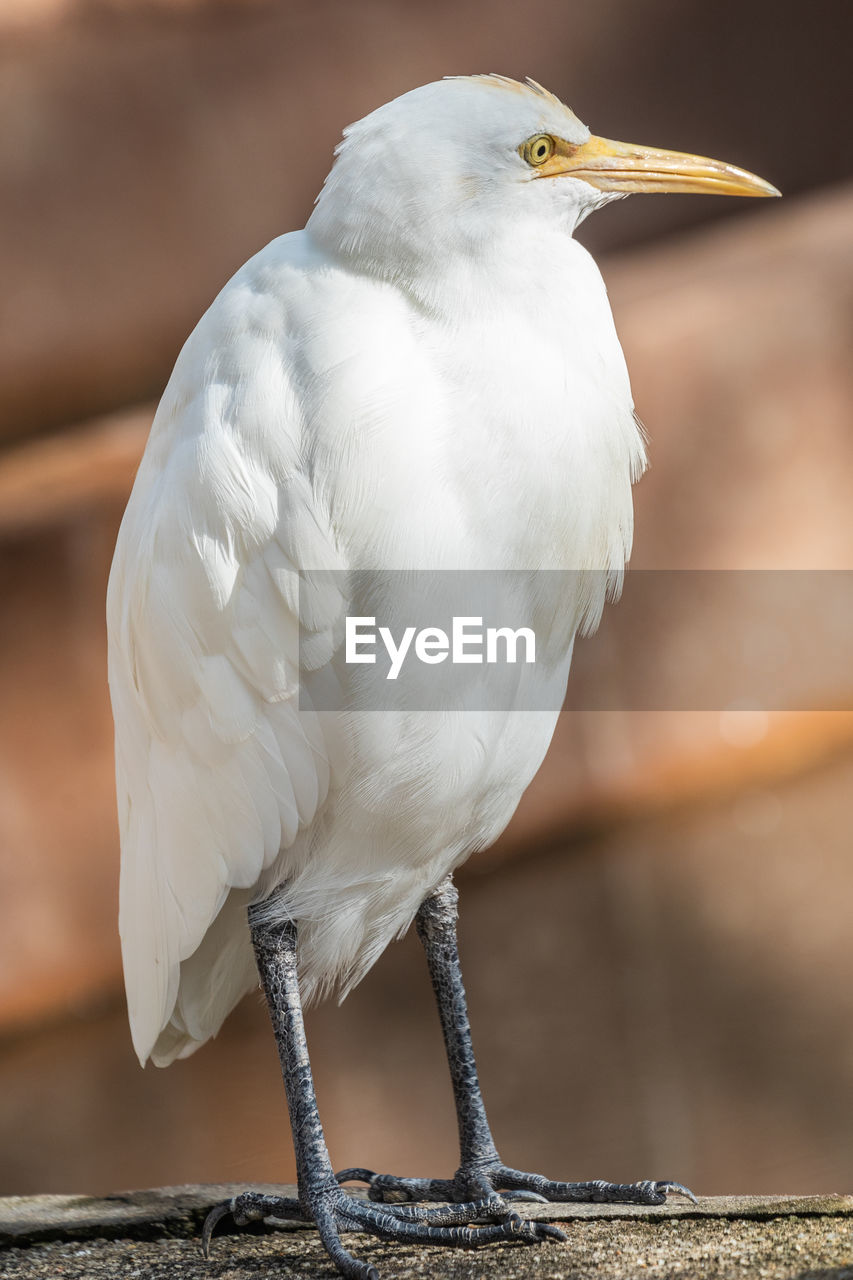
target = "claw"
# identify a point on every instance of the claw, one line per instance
(538, 1231)
(216, 1214)
(524, 1195)
(667, 1186)
(547, 1231)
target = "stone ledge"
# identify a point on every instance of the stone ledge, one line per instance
(148, 1235)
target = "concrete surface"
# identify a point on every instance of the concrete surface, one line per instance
(152, 1235)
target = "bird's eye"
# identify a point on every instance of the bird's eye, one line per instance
(539, 149)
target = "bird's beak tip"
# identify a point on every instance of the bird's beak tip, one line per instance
(762, 189)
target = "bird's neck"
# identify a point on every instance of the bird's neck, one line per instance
(453, 275)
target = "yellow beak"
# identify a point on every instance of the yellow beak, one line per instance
(626, 166)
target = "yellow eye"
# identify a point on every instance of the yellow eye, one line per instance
(538, 149)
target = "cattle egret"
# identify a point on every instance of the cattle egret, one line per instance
(427, 377)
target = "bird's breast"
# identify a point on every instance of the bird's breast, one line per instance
(499, 435)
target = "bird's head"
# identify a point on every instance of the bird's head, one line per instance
(445, 168)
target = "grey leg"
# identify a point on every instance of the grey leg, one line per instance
(481, 1170)
(321, 1199)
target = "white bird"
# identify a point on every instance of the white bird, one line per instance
(427, 377)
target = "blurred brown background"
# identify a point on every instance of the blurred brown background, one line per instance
(676, 999)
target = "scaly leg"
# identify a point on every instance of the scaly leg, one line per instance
(481, 1172)
(321, 1199)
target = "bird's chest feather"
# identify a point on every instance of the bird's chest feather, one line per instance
(539, 426)
(495, 434)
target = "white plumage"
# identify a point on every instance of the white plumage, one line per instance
(428, 377)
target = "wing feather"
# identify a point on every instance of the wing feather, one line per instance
(218, 770)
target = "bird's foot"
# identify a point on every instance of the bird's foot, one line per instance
(477, 1181)
(333, 1211)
